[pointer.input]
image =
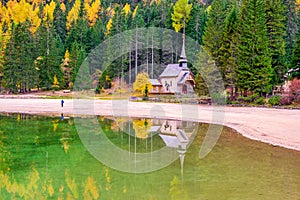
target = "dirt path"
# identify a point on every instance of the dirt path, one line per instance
(274, 126)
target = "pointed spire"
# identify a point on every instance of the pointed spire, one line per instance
(183, 60)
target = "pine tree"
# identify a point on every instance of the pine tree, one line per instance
(229, 50)
(77, 55)
(275, 19)
(196, 25)
(254, 70)
(49, 53)
(19, 71)
(295, 62)
(213, 35)
(59, 21)
(291, 27)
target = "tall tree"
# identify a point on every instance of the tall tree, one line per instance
(213, 35)
(196, 25)
(291, 27)
(295, 62)
(275, 21)
(229, 50)
(181, 15)
(77, 55)
(48, 56)
(254, 70)
(19, 71)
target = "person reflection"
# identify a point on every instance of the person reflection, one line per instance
(62, 116)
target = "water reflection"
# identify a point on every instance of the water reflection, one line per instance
(43, 157)
(162, 133)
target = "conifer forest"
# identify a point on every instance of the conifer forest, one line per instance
(255, 44)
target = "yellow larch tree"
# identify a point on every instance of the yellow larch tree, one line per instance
(63, 7)
(5, 16)
(141, 83)
(126, 9)
(19, 12)
(135, 11)
(142, 128)
(92, 11)
(108, 26)
(2, 13)
(33, 18)
(73, 15)
(49, 11)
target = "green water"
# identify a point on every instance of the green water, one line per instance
(44, 158)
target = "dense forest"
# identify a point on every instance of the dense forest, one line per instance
(255, 44)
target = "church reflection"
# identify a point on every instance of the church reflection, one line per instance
(174, 134)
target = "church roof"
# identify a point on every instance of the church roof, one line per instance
(172, 70)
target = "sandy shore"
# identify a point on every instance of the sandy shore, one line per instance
(275, 126)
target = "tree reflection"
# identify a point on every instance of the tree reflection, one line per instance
(142, 127)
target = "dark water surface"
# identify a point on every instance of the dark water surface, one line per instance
(44, 158)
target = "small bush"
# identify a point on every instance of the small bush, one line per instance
(285, 100)
(260, 101)
(97, 90)
(274, 100)
(248, 99)
(254, 97)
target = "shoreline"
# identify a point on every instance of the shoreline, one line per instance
(277, 127)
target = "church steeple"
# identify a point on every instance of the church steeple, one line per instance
(183, 60)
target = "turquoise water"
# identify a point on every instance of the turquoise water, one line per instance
(44, 158)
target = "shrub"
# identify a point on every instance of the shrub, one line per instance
(254, 97)
(274, 100)
(285, 100)
(248, 99)
(260, 101)
(295, 87)
(97, 90)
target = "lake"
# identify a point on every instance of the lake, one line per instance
(45, 158)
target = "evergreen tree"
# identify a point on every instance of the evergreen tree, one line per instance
(295, 62)
(77, 55)
(196, 25)
(59, 21)
(229, 50)
(254, 69)
(275, 19)
(213, 35)
(19, 71)
(80, 33)
(48, 56)
(291, 27)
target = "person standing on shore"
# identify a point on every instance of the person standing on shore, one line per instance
(62, 103)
